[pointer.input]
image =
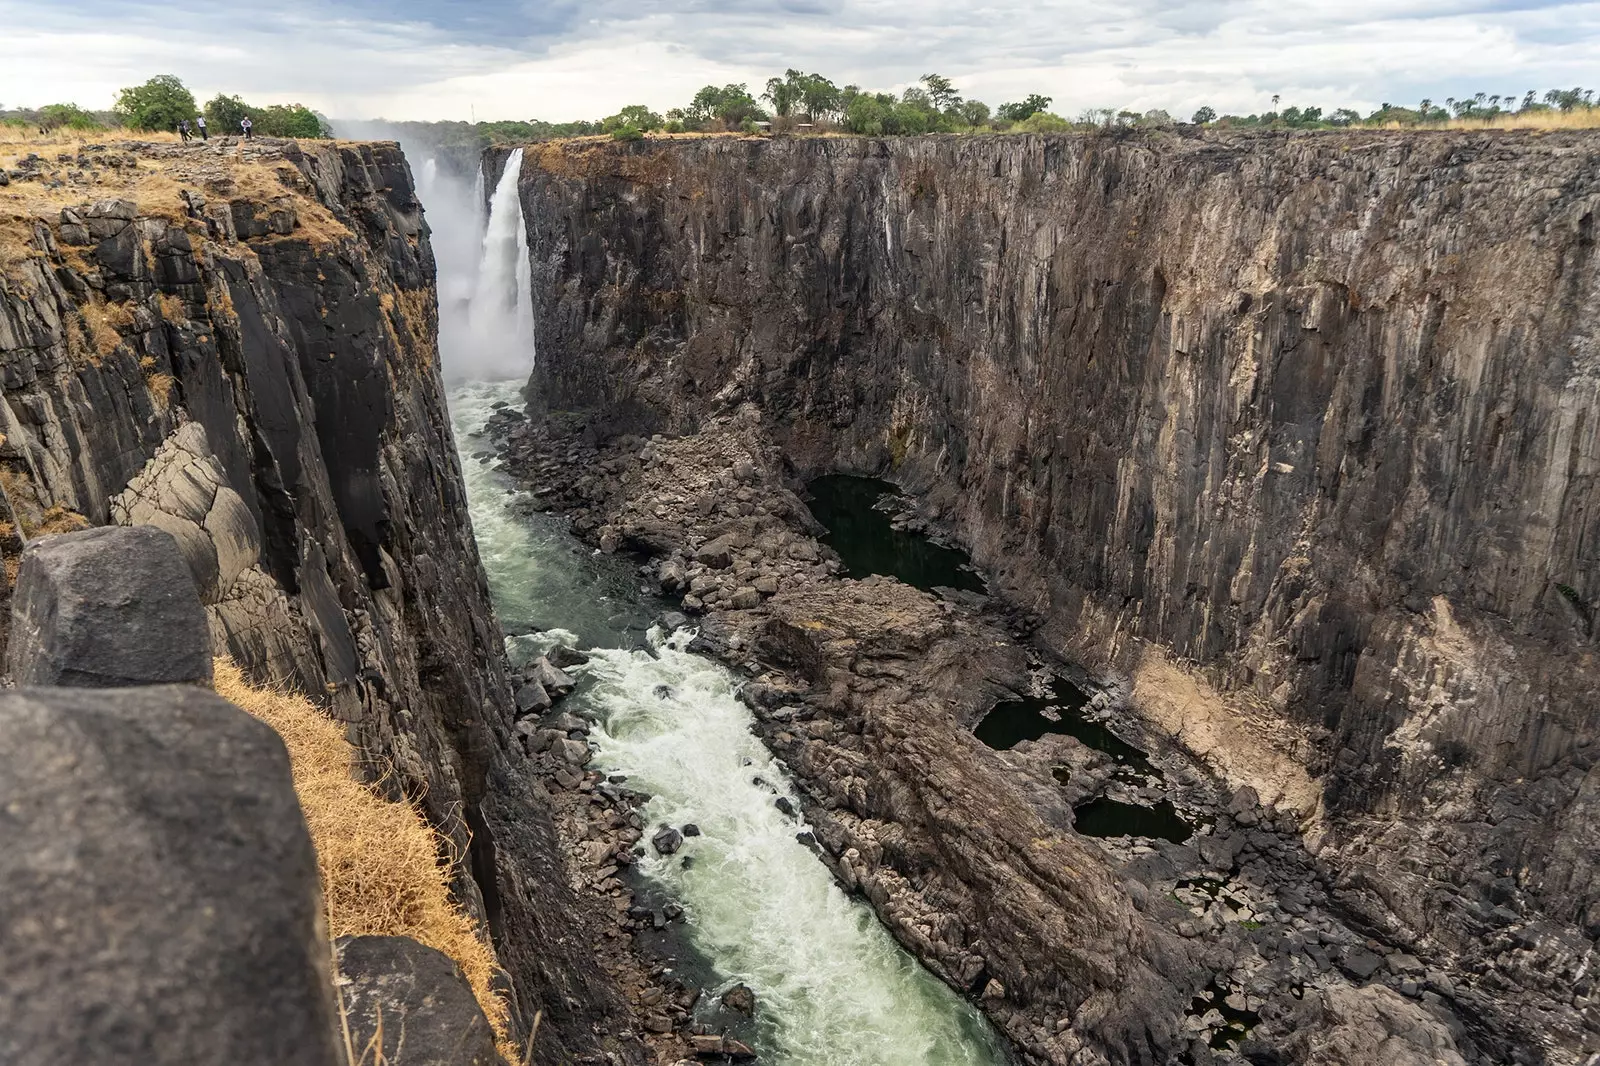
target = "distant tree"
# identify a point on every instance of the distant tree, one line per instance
(799, 93)
(158, 104)
(224, 112)
(1344, 116)
(782, 94)
(871, 114)
(1568, 99)
(1205, 115)
(68, 116)
(1032, 105)
(288, 120)
(634, 116)
(974, 112)
(727, 106)
(941, 92)
(1043, 122)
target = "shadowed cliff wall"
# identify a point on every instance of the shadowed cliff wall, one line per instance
(239, 346)
(1298, 432)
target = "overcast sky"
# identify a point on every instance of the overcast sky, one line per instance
(566, 59)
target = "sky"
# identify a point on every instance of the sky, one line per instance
(568, 59)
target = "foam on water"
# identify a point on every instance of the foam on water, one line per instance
(832, 986)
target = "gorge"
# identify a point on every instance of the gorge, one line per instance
(1292, 433)
(1261, 731)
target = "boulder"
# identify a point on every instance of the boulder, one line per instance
(551, 678)
(161, 895)
(532, 699)
(107, 608)
(562, 657)
(428, 1012)
(721, 1047)
(667, 840)
(740, 998)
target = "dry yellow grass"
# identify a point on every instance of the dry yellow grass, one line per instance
(155, 184)
(381, 874)
(1582, 118)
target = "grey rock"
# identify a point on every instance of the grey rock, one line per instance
(421, 999)
(107, 608)
(740, 998)
(162, 901)
(666, 840)
(557, 682)
(532, 699)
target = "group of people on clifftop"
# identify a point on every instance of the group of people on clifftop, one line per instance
(187, 132)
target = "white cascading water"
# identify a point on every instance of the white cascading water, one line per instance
(500, 316)
(832, 986)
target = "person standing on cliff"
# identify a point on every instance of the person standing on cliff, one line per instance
(200, 124)
(246, 125)
(183, 130)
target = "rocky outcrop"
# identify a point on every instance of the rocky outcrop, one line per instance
(107, 608)
(410, 1005)
(162, 900)
(1297, 433)
(237, 344)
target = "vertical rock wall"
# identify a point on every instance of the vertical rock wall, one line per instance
(239, 346)
(1299, 433)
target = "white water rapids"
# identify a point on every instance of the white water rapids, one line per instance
(832, 987)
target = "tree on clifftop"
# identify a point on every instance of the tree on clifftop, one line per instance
(158, 104)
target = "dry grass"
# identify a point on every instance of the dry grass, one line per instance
(56, 519)
(381, 874)
(155, 183)
(1583, 118)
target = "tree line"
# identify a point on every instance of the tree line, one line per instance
(162, 102)
(1482, 106)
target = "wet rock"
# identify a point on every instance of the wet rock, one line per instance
(666, 840)
(557, 682)
(723, 1047)
(740, 998)
(691, 830)
(418, 998)
(532, 699)
(562, 657)
(784, 804)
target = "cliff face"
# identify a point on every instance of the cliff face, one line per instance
(1299, 434)
(238, 346)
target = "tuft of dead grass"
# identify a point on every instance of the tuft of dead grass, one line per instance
(381, 874)
(56, 519)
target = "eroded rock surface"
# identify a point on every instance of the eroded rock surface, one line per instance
(238, 345)
(163, 907)
(1294, 433)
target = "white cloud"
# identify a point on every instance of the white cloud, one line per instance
(566, 60)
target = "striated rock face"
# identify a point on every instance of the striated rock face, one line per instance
(237, 345)
(1299, 434)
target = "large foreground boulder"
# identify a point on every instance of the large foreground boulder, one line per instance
(159, 902)
(106, 608)
(428, 1013)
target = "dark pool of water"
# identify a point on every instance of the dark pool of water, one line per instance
(864, 539)
(1059, 710)
(1236, 1023)
(1109, 818)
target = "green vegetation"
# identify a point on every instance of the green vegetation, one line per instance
(223, 114)
(1576, 105)
(159, 104)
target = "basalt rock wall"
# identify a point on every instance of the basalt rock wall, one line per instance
(1297, 433)
(237, 343)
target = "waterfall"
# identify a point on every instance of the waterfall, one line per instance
(832, 986)
(498, 341)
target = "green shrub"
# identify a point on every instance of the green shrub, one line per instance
(1043, 122)
(627, 133)
(159, 104)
